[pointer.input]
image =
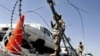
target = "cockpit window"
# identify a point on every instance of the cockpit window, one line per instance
(5, 28)
(46, 31)
(1, 35)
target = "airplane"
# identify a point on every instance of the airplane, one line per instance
(26, 37)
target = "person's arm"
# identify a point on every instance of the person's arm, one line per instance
(52, 25)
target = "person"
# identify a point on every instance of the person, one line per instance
(80, 49)
(57, 39)
(57, 35)
(61, 22)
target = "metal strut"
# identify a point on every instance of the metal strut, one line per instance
(56, 17)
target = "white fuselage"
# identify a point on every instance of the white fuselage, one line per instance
(36, 32)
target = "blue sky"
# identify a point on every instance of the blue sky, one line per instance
(91, 19)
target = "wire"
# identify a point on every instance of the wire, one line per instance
(13, 12)
(34, 11)
(77, 9)
(6, 8)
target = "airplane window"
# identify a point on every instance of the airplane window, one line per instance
(5, 28)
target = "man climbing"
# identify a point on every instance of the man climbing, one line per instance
(80, 49)
(57, 39)
(61, 22)
(57, 35)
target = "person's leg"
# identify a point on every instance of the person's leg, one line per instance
(56, 47)
(79, 53)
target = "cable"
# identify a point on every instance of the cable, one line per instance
(6, 8)
(34, 11)
(77, 9)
